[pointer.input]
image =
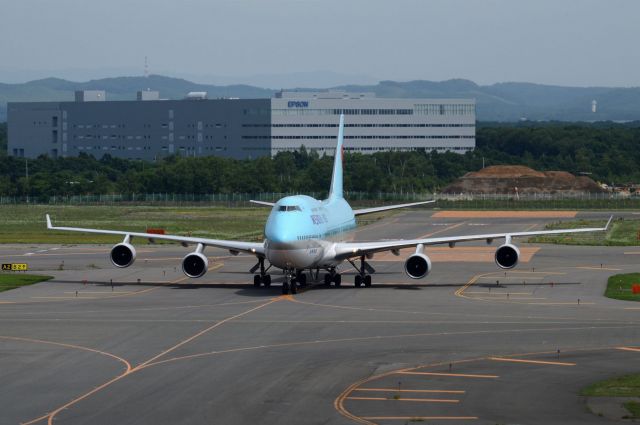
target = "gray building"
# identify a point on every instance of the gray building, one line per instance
(149, 128)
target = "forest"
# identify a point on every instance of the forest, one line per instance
(609, 152)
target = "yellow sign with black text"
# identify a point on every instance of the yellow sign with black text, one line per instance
(15, 267)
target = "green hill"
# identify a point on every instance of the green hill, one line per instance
(497, 102)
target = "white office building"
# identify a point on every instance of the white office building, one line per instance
(371, 124)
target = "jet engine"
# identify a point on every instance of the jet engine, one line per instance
(417, 266)
(195, 264)
(507, 256)
(123, 255)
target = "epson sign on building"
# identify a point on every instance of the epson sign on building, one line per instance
(298, 104)
(371, 124)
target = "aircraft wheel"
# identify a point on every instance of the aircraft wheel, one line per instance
(256, 280)
(294, 287)
(302, 279)
(358, 280)
(267, 280)
(367, 281)
(327, 279)
(285, 288)
(337, 279)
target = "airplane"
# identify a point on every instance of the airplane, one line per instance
(303, 233)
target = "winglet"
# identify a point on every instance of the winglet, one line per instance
(269, 204)
(49, 226)
(608, 223)
(336, 178)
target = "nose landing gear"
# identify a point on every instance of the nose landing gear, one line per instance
(289, 283)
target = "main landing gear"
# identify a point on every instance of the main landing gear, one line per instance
(333, 277)
(263, 278)
(362, 278)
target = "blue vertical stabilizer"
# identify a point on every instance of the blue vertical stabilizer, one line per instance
(336, 178)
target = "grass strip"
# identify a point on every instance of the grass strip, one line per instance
(622, 232)
(619, 287)
(12, 280)
(620, 386)
(634, 409)
(26, 223)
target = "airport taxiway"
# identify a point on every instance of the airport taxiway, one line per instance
(468, 344)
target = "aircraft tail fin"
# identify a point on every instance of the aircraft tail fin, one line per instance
(336, 177)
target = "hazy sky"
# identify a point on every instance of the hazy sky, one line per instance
(578, 43)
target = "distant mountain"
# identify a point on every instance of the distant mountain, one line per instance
(515, 101)
(497, 102)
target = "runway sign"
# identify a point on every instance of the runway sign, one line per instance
(15, 267)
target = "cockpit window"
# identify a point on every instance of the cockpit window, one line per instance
(289, 208)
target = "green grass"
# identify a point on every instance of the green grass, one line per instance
(620, 233)
(620, 386)
(12, 280)
(634, 408)
(540, 204)
(26, 223)
(619, 287)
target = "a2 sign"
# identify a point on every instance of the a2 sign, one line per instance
(14, 267)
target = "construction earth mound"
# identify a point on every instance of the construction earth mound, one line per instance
(512, 179)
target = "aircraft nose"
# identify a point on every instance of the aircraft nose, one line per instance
(280, 236)
(279, 230)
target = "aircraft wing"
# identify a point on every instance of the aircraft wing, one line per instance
(346, 250)
(389, 207)
(255, 248)
(268, 204)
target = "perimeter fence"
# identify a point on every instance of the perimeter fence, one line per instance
(448, 201)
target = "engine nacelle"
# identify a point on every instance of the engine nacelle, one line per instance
(195, 264)
(123, 255)
(417, 266)
(507, 256)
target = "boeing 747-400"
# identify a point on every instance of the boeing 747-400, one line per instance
(306, 234)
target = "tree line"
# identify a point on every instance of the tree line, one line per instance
(611, 153)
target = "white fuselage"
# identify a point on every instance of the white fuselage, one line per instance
(301, 232)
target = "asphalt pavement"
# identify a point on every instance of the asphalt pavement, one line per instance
(468, 344)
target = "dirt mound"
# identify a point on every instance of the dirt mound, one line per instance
(506, 171)
(504, 179)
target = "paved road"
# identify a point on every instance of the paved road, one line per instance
(468, 344)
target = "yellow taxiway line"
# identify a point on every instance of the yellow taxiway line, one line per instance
(498, 293)
(419, 418)
(628, 349)
(597, 268)
(507, 359)
(454, 375)
(411, 391)
(422, 400)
